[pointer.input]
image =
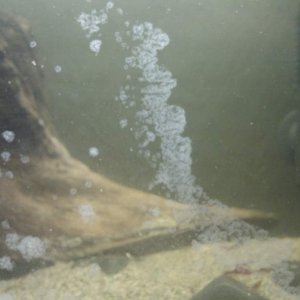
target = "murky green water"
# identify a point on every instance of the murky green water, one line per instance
(235, 63)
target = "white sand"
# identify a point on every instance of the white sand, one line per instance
(170, 275)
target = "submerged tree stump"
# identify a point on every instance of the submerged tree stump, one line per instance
(52, 205)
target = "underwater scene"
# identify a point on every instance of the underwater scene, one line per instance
(150, 149)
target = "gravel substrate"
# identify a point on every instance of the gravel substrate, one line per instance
(173, 275)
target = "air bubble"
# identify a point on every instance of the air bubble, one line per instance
(29, 246)
(109, 5)
(24, 159)
(120, 11)
(118, 37)
(5, 155)
(57, 68)
(88, 184)
(123, 123)
(73, 191)
(9, 175)
(32, 44)
(93, 151)
(6, 263)
(86, 211)
(95, 46)
(8, 135)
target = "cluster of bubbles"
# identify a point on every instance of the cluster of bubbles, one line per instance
(92, 23)
(5, 156)
(156, 121)
(30, 247)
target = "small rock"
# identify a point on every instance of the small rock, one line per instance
(226, 288)
(112, 264)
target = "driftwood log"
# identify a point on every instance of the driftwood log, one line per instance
(47, 195)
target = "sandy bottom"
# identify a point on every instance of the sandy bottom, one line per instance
(176, 274)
